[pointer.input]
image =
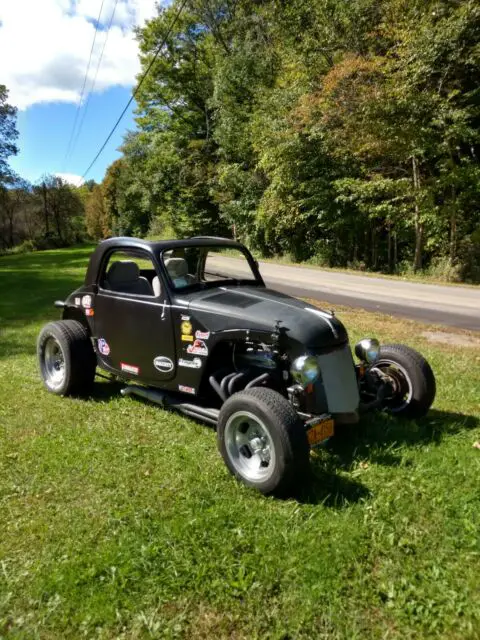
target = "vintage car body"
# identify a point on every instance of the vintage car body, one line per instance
(199, 340)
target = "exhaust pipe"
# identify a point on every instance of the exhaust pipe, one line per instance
(168, 401)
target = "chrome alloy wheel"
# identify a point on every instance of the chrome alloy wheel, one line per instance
(53, 363)
(249, 446)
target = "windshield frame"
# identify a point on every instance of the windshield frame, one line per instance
(255, 281)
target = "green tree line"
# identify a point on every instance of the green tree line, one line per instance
(48, 214)
(344, 132)
(339, 132)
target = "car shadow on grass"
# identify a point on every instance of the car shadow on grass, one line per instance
(378, 437)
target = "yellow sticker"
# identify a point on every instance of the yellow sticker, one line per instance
(187, 338)
(186, 328)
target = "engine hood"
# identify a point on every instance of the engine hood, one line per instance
(258, 308)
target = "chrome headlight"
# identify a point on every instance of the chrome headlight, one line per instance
(305, 370)
(367, 350)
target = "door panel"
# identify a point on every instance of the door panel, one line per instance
(135, 336)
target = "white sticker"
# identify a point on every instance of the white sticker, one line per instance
(87, 301)
(202, 335)
(103, 347)
(184, 389)
(77, 302)
(198, 348)
(130, 368)
(185, 318)
(163, 364)
(196, 363)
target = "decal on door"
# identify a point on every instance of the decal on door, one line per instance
(198, 348)
(103, 347)
(163, 364)
(129, 368)
(202, 335)
(196, 363)
(87, 302)
(186, 327)
(184, 389)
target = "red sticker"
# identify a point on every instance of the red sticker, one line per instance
(130, 368)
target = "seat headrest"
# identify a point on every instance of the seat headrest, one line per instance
(176, 267)
(123, 271)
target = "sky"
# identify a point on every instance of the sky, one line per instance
(45, 47)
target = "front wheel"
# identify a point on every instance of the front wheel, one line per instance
(263, 441)
(411, 379)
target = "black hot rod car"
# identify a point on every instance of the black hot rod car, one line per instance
(193, 325)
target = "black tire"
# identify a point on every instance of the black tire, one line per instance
(411, 369)
(286, 438)
(68, 339)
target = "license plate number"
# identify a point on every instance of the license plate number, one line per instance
(320, 432)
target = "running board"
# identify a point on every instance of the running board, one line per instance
(169, 401)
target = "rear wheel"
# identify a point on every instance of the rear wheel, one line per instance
(66, 358)
(411, 378)
(263, 441)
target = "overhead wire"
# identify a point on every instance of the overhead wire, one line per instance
(82, 93)
(92, 87)
(137, 88)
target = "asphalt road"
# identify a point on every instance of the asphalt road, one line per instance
(438, 304)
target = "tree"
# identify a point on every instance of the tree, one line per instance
(96, 214)
(8, 133)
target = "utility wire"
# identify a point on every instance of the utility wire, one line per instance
(92, 88)
(137, 88)
(82, 93)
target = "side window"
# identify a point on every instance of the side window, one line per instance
(132, 273)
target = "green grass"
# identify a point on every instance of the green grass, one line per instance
(119, 520)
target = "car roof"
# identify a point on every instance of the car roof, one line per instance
(152, 247)
(161, 245)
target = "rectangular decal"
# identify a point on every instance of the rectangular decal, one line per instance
(202, 335)
(198, 348)
(89, 312)
(187, 338)
(87, 301)
(186, 318)
(77, 302)
(129, 368)
(184, 389)
(196, 363)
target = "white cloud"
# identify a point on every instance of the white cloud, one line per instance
(45, 45)
(71, 178)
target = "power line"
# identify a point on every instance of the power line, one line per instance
(144, 75)
(83, 86)
(92, 88)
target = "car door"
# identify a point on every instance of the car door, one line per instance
(133, 324)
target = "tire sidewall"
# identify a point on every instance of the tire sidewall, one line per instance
(283, 449)
(48, 332)
(419, 376)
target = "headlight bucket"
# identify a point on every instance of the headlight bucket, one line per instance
(367, 350)
(305, 370)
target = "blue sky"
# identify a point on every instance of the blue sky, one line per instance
(45, 131)
(49, 51)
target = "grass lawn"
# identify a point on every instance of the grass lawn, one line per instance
(119, 520)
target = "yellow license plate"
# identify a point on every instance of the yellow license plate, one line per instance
(320, 432)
